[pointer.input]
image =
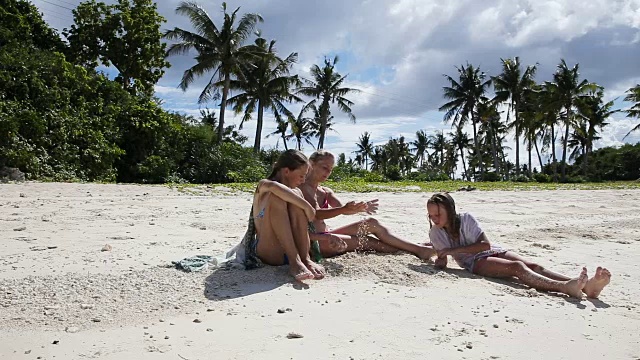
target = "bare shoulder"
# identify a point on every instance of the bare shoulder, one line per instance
(260, 184)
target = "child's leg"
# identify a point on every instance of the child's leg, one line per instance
(499, 267)
(510, 255)
(593, 287)
(276, 240)
(300, 231)
(372, 226)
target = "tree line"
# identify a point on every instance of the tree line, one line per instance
(61, 118)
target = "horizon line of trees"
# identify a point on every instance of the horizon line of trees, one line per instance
(61, 118)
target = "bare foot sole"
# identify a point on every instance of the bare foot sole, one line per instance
(300, 272)
(574, 287)
(316, 269)
(595, 285)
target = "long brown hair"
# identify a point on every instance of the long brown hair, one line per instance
(290, 159)
(453, 219)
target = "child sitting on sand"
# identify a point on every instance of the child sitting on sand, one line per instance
(365, 235)
(278, 233)
(460, 236)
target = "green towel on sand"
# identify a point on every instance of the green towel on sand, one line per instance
(194, 263)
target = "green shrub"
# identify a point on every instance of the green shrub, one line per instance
(542, 178)
(393, 173)
(374, 176)
(492, 176)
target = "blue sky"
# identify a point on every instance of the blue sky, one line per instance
(397, 51)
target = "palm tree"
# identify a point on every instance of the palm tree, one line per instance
(365, 148)
(379, 159)
(267, 85)
(421, 146)
(593, 114)
(464, 95)
(219, 50)
(302, 127)
(569, 91)
(281, 130)
(438, 144)
(489, 116)
(634, 111)
(511, 86)
(326, 87)
(460, 140)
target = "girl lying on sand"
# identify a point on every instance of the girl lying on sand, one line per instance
(278, 232)
(460, 236)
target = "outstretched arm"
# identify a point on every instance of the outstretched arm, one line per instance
(337, 208)
(482, 244)
(293, 196)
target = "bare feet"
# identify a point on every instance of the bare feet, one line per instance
(425, 252)
(597, 283)
(299, 271)
(316, 269)
(574, 287)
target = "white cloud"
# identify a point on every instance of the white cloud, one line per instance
(397, 51)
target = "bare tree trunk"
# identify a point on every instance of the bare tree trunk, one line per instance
(553, 153)
(529, 149)
(324, 118)
(256, 143)
(477, 148)
(464, 165)
(564, 145)
(223, 106)
(535, 143)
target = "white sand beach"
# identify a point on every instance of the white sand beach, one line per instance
(62, 297)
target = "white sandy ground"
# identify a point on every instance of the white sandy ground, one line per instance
(56, 285)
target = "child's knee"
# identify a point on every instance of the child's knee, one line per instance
(518, 267)
(277, 204)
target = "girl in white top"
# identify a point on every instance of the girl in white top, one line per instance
(460, 236)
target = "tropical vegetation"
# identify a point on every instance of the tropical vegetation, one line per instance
(63, 118)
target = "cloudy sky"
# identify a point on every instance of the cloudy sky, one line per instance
(396, 52)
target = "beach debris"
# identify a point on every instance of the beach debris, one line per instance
(283, 310)
(96, 320)
(55, 342)
(197, 321)
(467, 188)
(27, 352)
(294, 335)
(469, 346)
(22, 228)
(166, 337)
(107, 247)
(209, 330)
(23, 195)
(496, 326)
(86, 306)
(72, 329)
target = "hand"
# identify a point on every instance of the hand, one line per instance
(441, 263)
(353, 207)
(371, 207)
(444, 253)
